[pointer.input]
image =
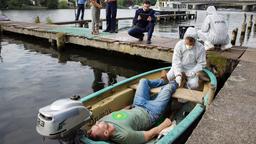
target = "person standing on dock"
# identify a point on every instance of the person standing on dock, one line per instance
(214, 30)
(80, 9)
(189, 58)
(144, 21)
(111, 11)
(96, 6)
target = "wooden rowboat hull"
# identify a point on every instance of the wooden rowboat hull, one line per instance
(119, 95)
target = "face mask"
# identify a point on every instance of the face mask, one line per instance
(189, 46)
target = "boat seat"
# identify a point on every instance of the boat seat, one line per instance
(114, 102)
(181, 93)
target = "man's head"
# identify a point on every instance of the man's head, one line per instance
(189, 42)
(100, 131)
(190, 37)
(146, 5)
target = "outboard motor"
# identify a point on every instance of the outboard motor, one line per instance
(62, 120)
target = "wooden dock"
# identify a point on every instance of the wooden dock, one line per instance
(160, 49)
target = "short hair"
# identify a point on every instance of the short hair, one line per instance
(191, 39)
(146, 2)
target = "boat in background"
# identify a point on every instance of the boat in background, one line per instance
(167, 5)
(4, 18)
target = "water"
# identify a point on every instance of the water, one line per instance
(34, 75)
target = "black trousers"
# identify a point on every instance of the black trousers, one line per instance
(111, 11)
(80, 9)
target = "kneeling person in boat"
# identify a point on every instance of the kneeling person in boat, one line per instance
(189, 58)
(133, 125)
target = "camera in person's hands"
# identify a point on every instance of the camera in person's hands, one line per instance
(144, 16)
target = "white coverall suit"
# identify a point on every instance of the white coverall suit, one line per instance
(188, 60)
(214, 30)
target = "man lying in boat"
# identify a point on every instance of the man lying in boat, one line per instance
(188, 59)
(133, 125)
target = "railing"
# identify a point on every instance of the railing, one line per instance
(87, 21)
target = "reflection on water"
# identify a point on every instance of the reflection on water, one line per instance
(34, 75)
(1, 59)
(97, 83)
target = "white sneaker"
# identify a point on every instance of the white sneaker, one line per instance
(225, 47)
(208, 45)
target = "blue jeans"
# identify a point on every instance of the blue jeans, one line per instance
(156, 106)
(137, 32)
(111, 11)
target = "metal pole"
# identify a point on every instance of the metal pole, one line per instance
(234, 36)
(250, 24)
(75, 8)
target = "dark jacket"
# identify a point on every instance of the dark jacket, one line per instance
(144, 14)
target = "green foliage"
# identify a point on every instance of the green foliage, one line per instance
(3, 4)
(63, 4)
(12, 4)
(127, 3)
(122, 3)
(73, 1)
(48, 20)
(153, 2)
(37, 19)
(52, 4)
(15, 4)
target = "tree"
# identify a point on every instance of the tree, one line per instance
(63, 4)
(3, 4)
(122, 3)
(52, 4)
(14, 4)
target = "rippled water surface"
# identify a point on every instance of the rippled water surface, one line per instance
(33, 75)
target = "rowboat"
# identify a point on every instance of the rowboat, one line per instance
(120, 95)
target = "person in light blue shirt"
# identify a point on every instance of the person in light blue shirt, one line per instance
(80, 9)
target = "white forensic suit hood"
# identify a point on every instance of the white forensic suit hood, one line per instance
(188, 60)
(191, 32)
(211, 10)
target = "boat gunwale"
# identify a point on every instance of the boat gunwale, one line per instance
(192, 116)
(102, 91)
(186, 122)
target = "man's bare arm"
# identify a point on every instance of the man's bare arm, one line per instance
(150, 134)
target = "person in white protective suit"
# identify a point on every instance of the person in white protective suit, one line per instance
(189, 57)
(214, 30)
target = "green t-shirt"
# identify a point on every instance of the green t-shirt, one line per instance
(129, 125)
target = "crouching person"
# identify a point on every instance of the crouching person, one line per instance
(188, 58)
(144, 21)
(214, 30)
